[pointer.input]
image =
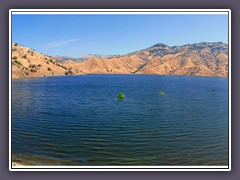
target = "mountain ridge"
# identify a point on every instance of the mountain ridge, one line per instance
(82, 58)
(199, 59)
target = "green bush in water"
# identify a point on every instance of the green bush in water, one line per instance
(162, 93)
(121, 95)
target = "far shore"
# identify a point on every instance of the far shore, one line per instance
(15, 78)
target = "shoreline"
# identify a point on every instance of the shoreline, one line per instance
(117, 74)
(14, 164)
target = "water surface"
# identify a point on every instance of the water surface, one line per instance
(78, 120)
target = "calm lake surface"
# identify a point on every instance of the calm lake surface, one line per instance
(78, 120)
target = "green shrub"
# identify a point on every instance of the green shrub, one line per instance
(49, 69)
(25, 56)
(33, 70)
(32, 66)
(18, 62)
(64, 67)
(68, 72)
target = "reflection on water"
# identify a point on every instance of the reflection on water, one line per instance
(78, 120)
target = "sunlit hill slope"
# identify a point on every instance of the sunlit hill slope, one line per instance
(201, 59)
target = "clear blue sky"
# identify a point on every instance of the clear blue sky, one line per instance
(77, 35)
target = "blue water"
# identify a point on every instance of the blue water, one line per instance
(78, 120)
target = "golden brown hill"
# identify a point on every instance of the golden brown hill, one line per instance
(201, 59)
(29, 63)
(116, 65)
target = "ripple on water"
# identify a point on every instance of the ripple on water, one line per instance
(79, 121)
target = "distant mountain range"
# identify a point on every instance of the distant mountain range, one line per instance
(83, 58)
(201, 59)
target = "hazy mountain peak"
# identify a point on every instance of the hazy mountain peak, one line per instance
(83, 58)
(160, 45)
(97, 55)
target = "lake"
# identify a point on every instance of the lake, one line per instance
(78, 120)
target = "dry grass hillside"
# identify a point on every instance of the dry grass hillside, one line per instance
(28, 63)
(201, 59)
(116, 65)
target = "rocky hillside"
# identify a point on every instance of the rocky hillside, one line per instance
(202, 59)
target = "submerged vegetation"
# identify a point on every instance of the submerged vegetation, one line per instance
(162, 93)
(121, 95)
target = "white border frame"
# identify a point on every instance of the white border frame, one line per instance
(120, 11)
